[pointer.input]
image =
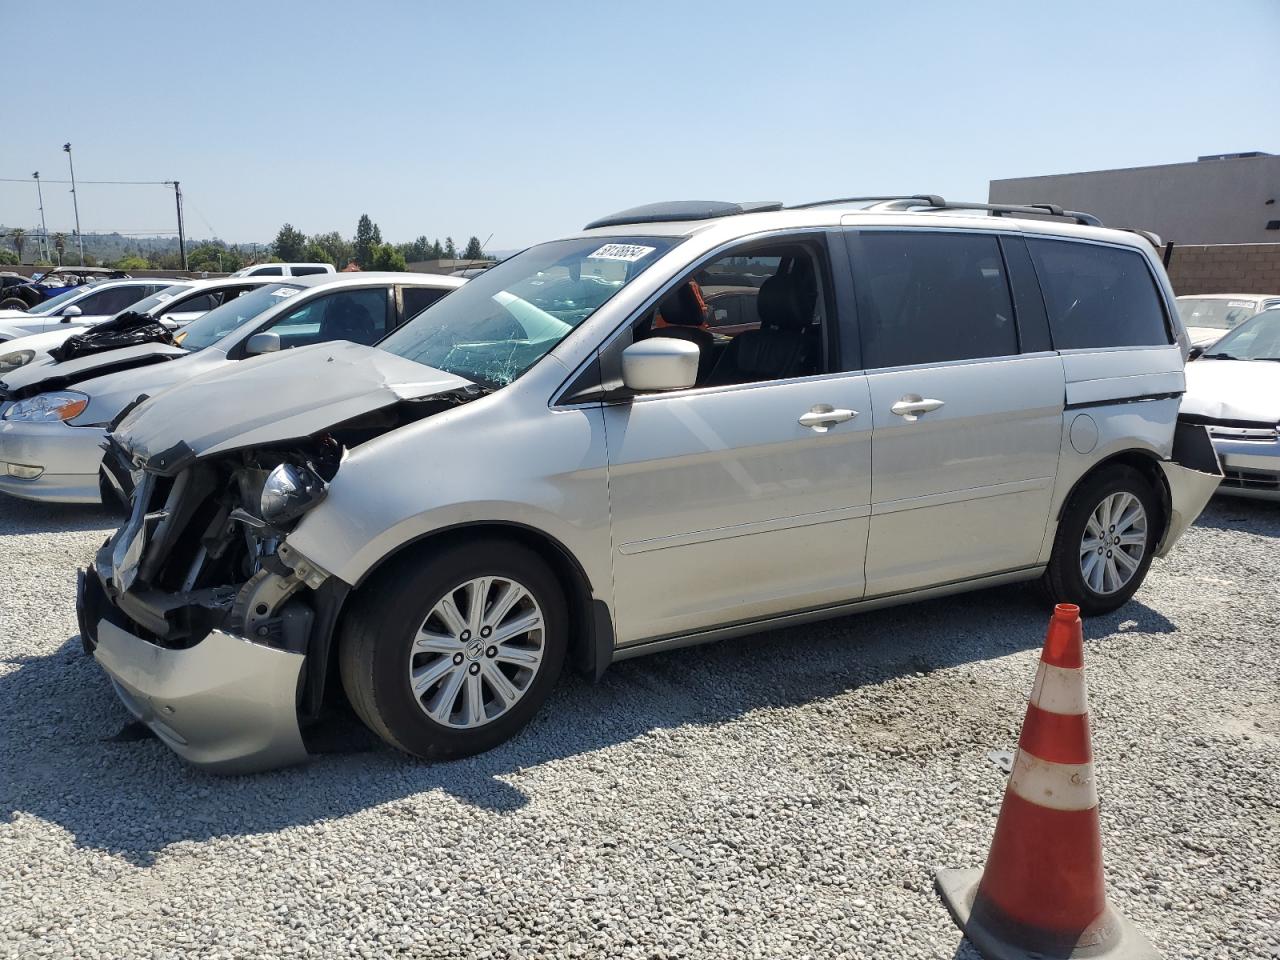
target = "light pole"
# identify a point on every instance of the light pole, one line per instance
(44, 227)
(74, 202)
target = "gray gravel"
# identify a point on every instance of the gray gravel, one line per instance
(788, 795)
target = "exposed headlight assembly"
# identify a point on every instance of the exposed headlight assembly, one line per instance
(48, 407)
(289, 492)
(14, 359)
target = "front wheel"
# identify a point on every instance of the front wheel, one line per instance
(1108, 532)
(14, 303)
(453, 655)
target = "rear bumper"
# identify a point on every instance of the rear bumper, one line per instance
(1251, 468)
(226, 704)
(68, 458)
(1192, 476)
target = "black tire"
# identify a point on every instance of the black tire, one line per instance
(376, 635)
(14, 303)
(1063, 580)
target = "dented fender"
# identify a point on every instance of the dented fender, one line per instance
(1192, 475)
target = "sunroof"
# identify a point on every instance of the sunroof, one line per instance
(682, 210)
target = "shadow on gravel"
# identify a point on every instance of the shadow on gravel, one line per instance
(1261, 517)
(73, 759)
(21, 517)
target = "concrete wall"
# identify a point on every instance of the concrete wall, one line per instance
(1210, 201)
(1226, 268)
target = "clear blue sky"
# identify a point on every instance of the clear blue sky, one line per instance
(525, 120)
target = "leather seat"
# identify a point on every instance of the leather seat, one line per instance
(682, 315)
(784, 345)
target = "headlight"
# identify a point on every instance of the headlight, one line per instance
(48, 407)
(14, 359)
(289, 492)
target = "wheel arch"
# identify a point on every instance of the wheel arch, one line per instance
(1146, 462)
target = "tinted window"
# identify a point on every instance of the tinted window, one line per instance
(203, 303)
(268, 272)
(417, 299)
(356, 315)
(1098, 296)
(931, 297)
(306, 271)
(111, 301)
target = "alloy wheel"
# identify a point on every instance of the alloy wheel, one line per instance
(1114, 543)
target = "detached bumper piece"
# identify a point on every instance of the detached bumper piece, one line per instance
(227, 704)
(1193, 476)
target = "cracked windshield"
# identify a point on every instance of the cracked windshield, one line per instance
(505, 320)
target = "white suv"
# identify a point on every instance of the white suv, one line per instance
(688, 422)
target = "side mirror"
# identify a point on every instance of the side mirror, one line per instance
(69, 312)
(1195, 353)
(266, 342)
(660, 363)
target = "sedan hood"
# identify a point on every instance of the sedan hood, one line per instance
(1233, 390)
(274, 398)
(44, 374)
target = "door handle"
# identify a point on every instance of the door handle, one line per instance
(823, 417)
(913, 405)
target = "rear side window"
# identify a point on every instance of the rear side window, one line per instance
(417, 299)
(268, 272)
(306, 271)
(931, 297)
(1098, 296)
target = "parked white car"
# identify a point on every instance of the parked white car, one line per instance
(564, 461)
(285, 270)
(1207, 316)
(174, 306)
(1234, 390)
(81, 307)
(51, 430)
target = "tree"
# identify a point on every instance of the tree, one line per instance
(19, 237)
(331, 247)
(387, 257)
(450, 251)
(368, 239)
(214, 257)
(290, 243)
(135, 262)
(420, 249)
(474, 250)
(7, 257)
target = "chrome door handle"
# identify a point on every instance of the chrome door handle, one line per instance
(823, 417)
(913, 405)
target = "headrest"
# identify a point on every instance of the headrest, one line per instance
(786, 301)
(683, 308)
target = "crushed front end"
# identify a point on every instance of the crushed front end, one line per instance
(214, 633)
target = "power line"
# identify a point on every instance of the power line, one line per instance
(136, 183)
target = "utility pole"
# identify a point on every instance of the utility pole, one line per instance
(44, 227)
(182, 238)
(74, 202)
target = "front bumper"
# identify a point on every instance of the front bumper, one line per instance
(1191, 476)
(68, 457)
(1251, 467)
(225, 704)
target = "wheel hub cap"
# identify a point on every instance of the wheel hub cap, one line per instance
(1114, 543)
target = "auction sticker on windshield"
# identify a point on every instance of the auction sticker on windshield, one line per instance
(627, 252)
(285, 292)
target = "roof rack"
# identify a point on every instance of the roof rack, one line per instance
(929, 199)
(1151, 238)
(995, 209)
(683, 210)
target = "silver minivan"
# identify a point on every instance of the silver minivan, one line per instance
(688, 422)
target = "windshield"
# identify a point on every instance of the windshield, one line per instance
(1257, 339)
(53, 303)
(220, 321)
(1215, 314)
(505, 320)
(158, 299)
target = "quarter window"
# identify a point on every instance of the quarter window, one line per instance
(1098, 296)
(928, 297)
(417, 299)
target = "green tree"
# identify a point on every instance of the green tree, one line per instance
(368, 239)
(290, 243)
(387, 257)
(420, 249)
(19, 238)
(474, 250)
(134, 262)
(215, 257)
(8, 257)
(450, 251)
(332, 248)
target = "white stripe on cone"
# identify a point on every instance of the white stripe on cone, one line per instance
(1058, 786)
(1060, 690)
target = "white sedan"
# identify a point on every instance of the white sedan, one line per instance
(81, 307)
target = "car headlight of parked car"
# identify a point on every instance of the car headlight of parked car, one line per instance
(14, 359)
(48, 407)
(289, 492)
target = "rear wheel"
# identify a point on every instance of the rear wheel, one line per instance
(452, 656)
(1105, 540)
(13, 303)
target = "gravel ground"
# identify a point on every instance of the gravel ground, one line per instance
(788, 795)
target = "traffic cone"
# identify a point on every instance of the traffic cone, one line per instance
(1042, 893)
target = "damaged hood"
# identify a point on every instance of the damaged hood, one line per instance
(274, 398)
(1233, 390)
(44, 373)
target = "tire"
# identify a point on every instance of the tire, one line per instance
(14, 303)
(379, 668)
(1065, 579)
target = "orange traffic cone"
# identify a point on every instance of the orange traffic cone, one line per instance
(1042, 894)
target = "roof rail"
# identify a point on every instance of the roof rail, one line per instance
(682, 210)
(929, 199)
(1151, 238)
(995, 209)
